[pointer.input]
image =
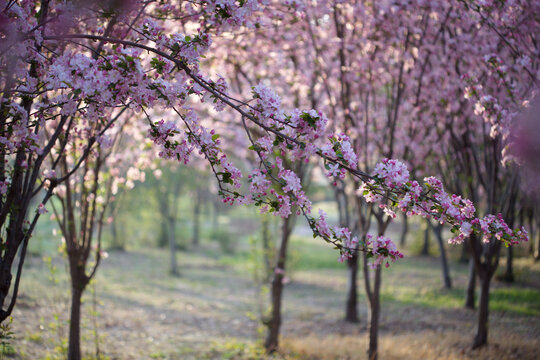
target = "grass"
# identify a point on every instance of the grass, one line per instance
(211, 310)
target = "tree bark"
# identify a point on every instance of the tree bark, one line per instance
(464, 256)
(471, 286)
(509, 273)
(536, 254)
(374, 315)
(163, 239)
(447, 281)
(483, 313)
(425, 247)
(535, 236)
(74, 347)
(404, 230)
(266, 248)
(274, 323)
(351, 311)
(351, 303)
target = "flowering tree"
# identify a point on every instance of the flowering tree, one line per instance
(148, 56)
(413, 51)
(84, 199)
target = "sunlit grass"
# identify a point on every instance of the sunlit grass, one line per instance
(449, 345)
(413, 301)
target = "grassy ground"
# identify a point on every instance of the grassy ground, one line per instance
(136, 311)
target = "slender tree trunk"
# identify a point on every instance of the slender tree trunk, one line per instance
(471, 286)
(374, 316)
(351, 311)
(117, 244)
(197, 218)
(483, 313)
(404, 230)
(509, 273)
(447, 281)
(425, 247)
(464, 256)
(74, 347)
(172, 247)
(274, 323)
(215, 214)
(351, 303)
(535, 235)
(267, 258)
(164, 236)
(114, 235)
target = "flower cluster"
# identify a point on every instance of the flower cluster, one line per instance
(432, 201)
(381, 249)
(338, 150)
(268, 105)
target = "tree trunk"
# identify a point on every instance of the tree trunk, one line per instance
(172, 247)
(471, 285)
(447, 281)
(404, 230)
(215, 214)
(274, 323)
(197, 219)
(509, 273)
(425, 247)
(74, 347)
(483, 312)
(351, 303)
(267, 256)
(114, 235)
(116, 243)
(351, 312)
(164, 236)
(535, 235)
(464, 256)
(374, 315)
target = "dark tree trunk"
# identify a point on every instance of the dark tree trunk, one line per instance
(374, 315)
(535, 235)
(483, 313)
(464, 256)
(404, 230)
(163, 239)
(447, 281)
(351, 311)
(471, 286)
(274, 323)
(425, 247)
(74, 347)
(534, 231)
(351, 303)
(509, 273)
(267, 249)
